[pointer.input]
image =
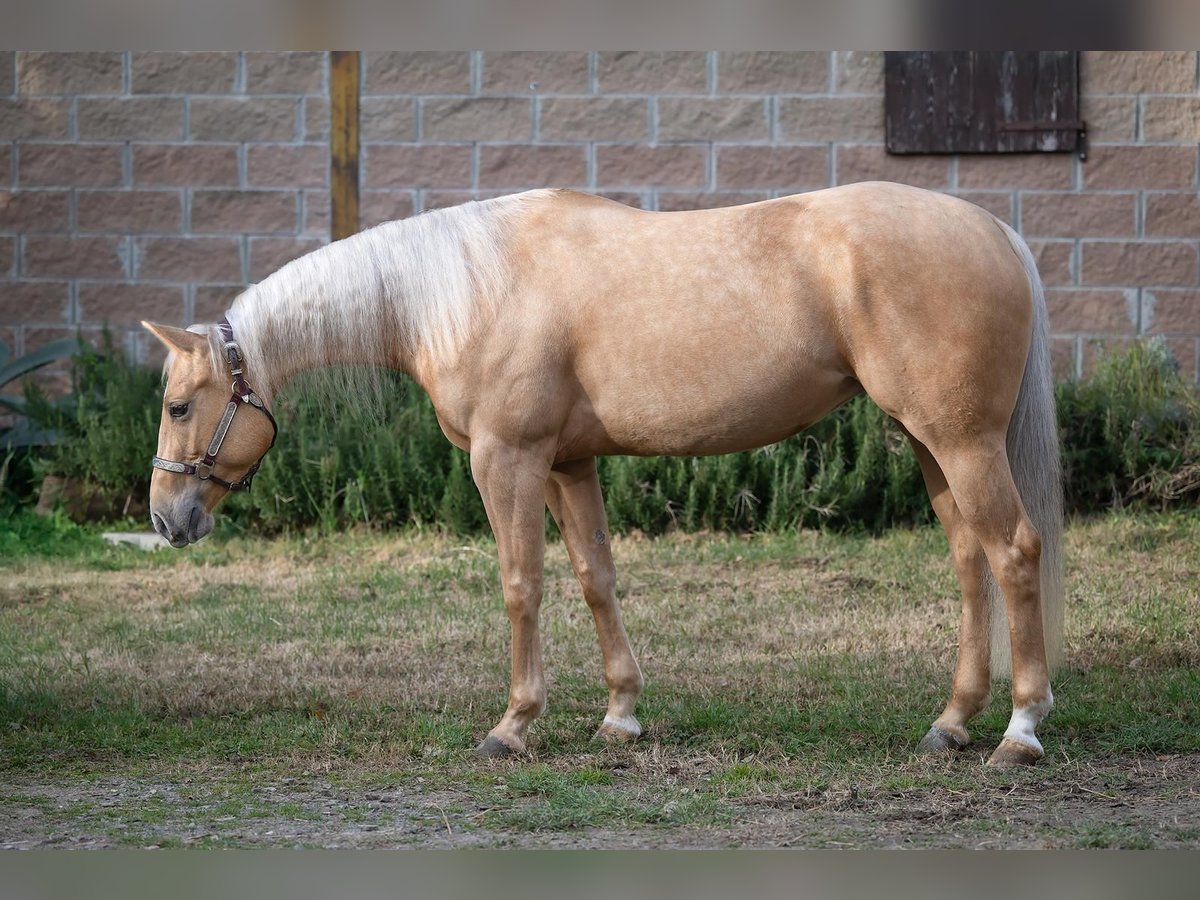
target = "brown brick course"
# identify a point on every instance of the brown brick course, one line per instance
(1139, 71)
(1116, 167)
(292, 72)
(674, 165)
(416, 165)
(270, 253)
(248, 119)
(8, 72)
(1163, 263)
(52, 256)
(1173, 215)
(69, 165)
(316, 118)
(388, 119)
(1043, 171)
(493, 118)
(215, 212)
(1078, 215)
(35, 301)
(1171, 119)
(34, 211)
(653, 72)
(129, 118)
(317, 214)
(784, 168)
(417, 72)
(127, 304)
(1055, 261)
(287, 165)
(375, 207)
(1110, 119)
(840, 118)
(216, 259)
(1173, 312)
(197, 165)
(214, 167)
(859, 72)
(867, 162)
(999, 203)
(712, 119)
(34, 118)
(210, 301)
(129, 211)
(772, 72)
(594, 119)
(1092, 311)
(519, 167)
(41, 72)
(1062, 358)
(173, 72)
(535, 72)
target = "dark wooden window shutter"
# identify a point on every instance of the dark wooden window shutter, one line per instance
(987, 101)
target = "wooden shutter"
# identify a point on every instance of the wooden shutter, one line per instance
(983, 102)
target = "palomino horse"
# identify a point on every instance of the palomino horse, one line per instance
(551, 327)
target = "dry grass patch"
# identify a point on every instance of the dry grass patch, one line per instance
(789, 678)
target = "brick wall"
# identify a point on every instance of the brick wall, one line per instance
(157, 184)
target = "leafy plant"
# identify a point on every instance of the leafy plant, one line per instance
(1130, 431)
(105, 427)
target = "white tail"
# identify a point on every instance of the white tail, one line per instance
(1033, 456)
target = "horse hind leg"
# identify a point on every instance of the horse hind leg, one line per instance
(982, 486)
(573, 495)
(971, 691)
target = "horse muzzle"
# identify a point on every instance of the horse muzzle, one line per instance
(182, 524)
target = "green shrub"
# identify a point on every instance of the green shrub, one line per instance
(105, 430)
(1130, 432)
(1131, 436)
(336, 467)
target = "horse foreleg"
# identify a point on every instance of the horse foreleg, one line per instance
(972, 676)
(573, 495)
(512, 483)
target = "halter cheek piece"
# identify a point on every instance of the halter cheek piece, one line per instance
(243, 394)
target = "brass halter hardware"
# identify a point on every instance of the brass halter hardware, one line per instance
(243, 394)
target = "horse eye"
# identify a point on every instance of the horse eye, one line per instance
(178, 410)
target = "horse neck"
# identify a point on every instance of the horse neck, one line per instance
(382, 298)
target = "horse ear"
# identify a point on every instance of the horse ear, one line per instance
(178, 339)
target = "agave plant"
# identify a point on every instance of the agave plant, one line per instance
(22, 434)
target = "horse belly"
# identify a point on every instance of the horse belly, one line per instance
(651, 410)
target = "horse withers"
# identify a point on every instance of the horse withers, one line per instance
(552, 327)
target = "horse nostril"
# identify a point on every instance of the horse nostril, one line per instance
(159, 525)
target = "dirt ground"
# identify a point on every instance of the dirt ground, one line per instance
(1153, 802)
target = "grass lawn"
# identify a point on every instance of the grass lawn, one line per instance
(328, 691)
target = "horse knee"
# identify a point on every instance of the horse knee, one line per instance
(522, 597)
(599, 585)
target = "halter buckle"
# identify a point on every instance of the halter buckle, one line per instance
(204, 470)
(233, 356)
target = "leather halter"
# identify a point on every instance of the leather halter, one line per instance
(243, 394)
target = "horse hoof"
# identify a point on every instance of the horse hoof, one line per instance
(619, 731)
(1012, 753)
(939, 740)
(493, 748)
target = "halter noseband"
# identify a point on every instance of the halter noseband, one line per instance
(242, 394)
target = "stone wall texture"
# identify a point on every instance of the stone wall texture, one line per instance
(157, 185)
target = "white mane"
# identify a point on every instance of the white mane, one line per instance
(376, 298)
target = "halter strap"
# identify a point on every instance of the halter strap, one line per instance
(242, 394)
